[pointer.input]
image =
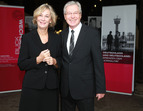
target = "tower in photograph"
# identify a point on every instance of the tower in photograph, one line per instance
(117, 22)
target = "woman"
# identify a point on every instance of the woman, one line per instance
(40, 57)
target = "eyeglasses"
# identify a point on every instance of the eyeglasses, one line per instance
(74, 13)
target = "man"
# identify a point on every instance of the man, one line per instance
(82, 73)
(109, 40)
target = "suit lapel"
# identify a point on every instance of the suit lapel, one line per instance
(36, 39)
(79, 40)
(65, 41)
(78, 43)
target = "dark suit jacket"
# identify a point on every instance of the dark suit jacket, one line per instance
(83, 73)
(38, 75)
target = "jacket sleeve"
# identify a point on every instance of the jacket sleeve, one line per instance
(59, 52)
(98, 63)
(25, 62)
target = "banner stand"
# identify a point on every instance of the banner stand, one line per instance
(118, 47)
(11, 30)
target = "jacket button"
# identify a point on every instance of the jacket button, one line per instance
(46, 64)
(45, 72)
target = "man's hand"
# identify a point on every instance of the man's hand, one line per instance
(100, 96)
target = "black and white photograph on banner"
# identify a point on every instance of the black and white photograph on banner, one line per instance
(28, 24)
(95, 22)
(118, 33)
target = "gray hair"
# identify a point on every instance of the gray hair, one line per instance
(72, 3)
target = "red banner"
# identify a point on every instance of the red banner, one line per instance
(11, 29)
(119, 77)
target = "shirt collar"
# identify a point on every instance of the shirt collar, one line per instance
(77, 29)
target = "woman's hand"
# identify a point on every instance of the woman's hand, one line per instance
(50, 60)
(44, 54)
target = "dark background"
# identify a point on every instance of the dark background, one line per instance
(88, 8)
(87, 5)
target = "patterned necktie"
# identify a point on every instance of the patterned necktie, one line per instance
(71, 47)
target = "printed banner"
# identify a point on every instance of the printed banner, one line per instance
(11, 30)
(118, 47)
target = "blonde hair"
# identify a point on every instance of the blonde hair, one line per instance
(41, 9)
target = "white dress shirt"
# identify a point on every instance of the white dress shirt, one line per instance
(76, 34)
